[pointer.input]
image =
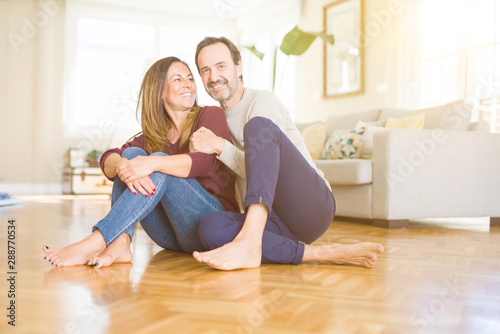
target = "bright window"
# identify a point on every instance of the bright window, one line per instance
(259, 73)
(111, 59)
(181, 43)
(106, 68)
(459, 54)
(110, 48)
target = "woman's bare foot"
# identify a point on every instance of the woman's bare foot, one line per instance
(237, 254)
(361, 254)
(78, 253)
(117, 252)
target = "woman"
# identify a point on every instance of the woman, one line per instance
(159, 183)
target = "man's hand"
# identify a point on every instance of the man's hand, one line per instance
(205, 141)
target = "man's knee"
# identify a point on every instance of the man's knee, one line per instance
(132, 152)
(260, 130)
(208, 230)
(256, 124)
(214, 231)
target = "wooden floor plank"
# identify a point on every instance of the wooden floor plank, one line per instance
(435, 277)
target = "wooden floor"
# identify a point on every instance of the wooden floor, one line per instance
(435, 277)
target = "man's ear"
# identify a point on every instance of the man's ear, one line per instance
(239, 68)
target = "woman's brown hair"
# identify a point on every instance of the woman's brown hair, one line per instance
(155, 121)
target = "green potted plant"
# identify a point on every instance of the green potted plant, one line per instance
(294, 43)
(93, 158)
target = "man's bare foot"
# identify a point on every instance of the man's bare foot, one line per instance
(78, 253)
(361, 254)
(237, 254)
(117, 252)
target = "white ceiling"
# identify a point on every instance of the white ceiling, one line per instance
(226, 9)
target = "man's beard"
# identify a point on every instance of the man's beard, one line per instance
(227, 94)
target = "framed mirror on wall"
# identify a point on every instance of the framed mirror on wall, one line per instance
(343, 62)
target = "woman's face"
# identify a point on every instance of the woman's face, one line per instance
(179, 89)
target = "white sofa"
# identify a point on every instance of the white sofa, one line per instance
(451, 168)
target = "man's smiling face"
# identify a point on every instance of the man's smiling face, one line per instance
(218, 72)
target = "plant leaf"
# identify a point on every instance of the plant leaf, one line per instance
(254, 50)
(296, 42)
(327, 38)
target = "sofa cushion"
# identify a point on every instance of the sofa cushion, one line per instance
(479, 126)
(348, 121)
(302, 126)
(343, 144)
(346, 172)
(415, 122)
(452, 116)
(314, 136)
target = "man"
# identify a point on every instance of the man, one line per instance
(287, 202)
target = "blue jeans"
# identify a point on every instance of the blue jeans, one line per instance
(170, 217)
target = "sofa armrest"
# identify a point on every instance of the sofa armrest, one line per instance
(435, 173)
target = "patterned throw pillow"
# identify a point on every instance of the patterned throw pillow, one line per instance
(343, 144)
(314, 136)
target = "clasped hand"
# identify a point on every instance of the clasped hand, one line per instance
(135, 174)
(203, 140)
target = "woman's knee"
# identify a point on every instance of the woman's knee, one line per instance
(159, 154)
(132, 152)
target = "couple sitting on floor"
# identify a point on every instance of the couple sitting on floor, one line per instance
(179, 177)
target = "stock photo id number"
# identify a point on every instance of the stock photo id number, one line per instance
(11, 273)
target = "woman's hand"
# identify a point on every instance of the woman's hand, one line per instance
(135, 174)
(144, 185)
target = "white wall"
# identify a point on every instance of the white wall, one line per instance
(381, 62)
(31, 62)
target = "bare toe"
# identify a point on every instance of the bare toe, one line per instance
(103, 261)
(76, 254)
(45, 249)
(117, 252)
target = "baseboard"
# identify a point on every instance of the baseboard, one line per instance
(374, 222)
(18, 189)
(363, 221)
(391, 223)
